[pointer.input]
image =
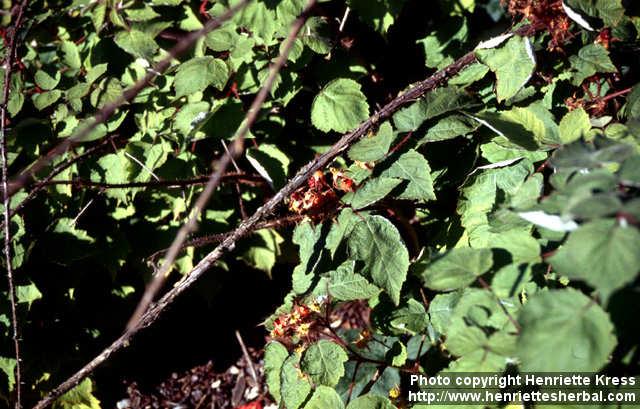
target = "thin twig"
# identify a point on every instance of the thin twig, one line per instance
(220, 167)
(48, 180)
(269, 207)
(247, 357)
(243, 212)
(244, 178)
(105, 113)
(6, 198)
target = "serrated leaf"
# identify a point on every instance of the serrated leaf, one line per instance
(414, 168)
(591, 59)
(27, 294)
(370, 192)
(411, 318)
(513, 63)
(274, 356)
(449, 128)
(441, 309)
(197, 74)
(260, 20)
(376, 242)
(574, 125)
(373, 147)
(437, 102)
(371, 401)
(324, 362)
(456, 269)
(80, 397)
(45, 80)
(603, 253)
(564, 330)
(71, 55)
(324, 398)
(137, 43)
(610, 11)
(345, 285)
(294, 385)
(45, 99)
(340, 106)
(8, 366)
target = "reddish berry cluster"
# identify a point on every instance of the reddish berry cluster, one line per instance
(318, 195)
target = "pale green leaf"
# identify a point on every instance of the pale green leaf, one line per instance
(197, 74)
(574, 125)
(513, 63)
(340, 106)
(377, 243)
(564, 331)
(603, 253)
(414, 168)
(457, 268)
(324, 362)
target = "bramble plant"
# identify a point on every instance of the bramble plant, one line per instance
(452, 187)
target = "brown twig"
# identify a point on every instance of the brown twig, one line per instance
(105, 113)
(269, 207)
(218, 238)
(48, 180)
(233, 177)
(247, 357)
(236, 150)
(6, 198)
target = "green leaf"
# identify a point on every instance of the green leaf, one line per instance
(603, 253)
(379, 14)
(513, 63)
(197, 74)
(345, 285)
(591, 59)
(340, 106)
(294, 385)
(373, 147)
(71, 55)
(222, 39)
(371, 401)
(411, 318)
(41, 101)
(45, 80)
(324, 398)
(456, 269)
(449, 128)
(137, 43)
(414, 168)
(574, 125)
(397, 354)
(376, 242)
(443, 45)
(271, 163)
(80, 397)
(274, 356)
(260, 20)
(564, 330)
(441, 309)
(27, 294)
(610, 11)
(8, 366)
(601, 153)
(632, 109)
(437, 102)
(324, 362)
(372, 191)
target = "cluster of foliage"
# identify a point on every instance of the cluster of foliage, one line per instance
(491, 225)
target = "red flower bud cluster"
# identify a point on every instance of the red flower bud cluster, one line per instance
(318, 195)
